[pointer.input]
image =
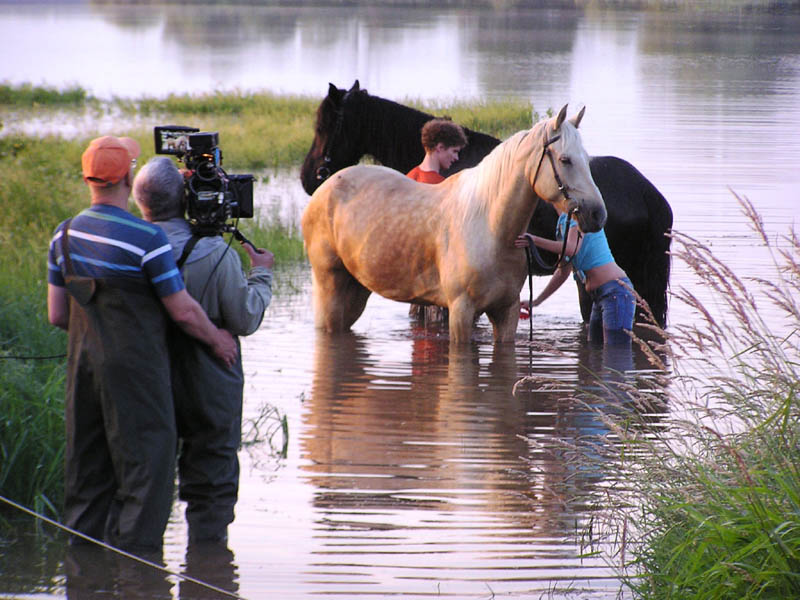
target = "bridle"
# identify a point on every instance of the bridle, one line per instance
(531, 252)
(546, 152)
(324, 171)
(531, 249)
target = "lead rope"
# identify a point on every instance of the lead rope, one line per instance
(532, 253)
(529, 259)
(119, 551)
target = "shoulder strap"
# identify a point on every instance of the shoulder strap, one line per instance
(65, 248)
(187, 250)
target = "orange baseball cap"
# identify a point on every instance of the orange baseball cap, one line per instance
(108, 159)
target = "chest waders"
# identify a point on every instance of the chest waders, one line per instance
(120, 425)
(208, 408)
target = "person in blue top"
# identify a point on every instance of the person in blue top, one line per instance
(588, 256)
(113, 285)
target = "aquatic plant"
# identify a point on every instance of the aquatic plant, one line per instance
(719, 509)
(707, 505)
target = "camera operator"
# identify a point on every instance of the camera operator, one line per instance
(208, 398)
(111, 284)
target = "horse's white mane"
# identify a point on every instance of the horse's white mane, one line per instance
(480, 184)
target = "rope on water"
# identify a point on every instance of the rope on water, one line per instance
(118, 550)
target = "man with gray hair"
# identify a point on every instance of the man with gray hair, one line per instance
(208, 397)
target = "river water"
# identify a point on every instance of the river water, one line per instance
(411, 469)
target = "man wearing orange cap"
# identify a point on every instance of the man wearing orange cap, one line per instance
(112, 284)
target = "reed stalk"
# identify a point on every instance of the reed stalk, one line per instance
(709, 498)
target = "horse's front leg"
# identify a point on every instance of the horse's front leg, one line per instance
(504, 321)
(460, 319)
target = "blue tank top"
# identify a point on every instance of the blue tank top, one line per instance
(594, 250)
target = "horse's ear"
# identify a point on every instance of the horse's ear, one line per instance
(562, 114)
(576, 120)
(356, 86)
(332, 90)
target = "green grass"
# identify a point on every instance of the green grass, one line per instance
(716, 490)
(256, 131)
(31, 96)
(38, 188)
(500, 119)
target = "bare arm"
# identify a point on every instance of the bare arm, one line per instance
(190, 317)
(57, 306)
(554, 246)
(558, 278)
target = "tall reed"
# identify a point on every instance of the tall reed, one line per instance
(38, 188)
(709, 503)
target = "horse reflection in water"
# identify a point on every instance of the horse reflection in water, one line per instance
(371, 229)
(424, 470)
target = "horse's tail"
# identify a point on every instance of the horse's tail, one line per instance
(638, 230)
(658, 261)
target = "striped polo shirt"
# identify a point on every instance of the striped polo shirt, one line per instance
(107, 242)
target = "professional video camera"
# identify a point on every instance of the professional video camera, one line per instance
(213, 197)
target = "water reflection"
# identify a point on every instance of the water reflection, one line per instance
(93, 572)
(213, 564)
(434, 466)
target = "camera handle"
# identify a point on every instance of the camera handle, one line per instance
(240, 237)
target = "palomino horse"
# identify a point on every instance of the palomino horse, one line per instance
(370, 229)
(352, 123)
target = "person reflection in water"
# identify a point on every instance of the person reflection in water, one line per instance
(588, 256)
(94, 572)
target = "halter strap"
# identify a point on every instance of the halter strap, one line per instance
(324, 171)
(546, 151)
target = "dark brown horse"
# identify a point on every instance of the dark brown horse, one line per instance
(352, 123)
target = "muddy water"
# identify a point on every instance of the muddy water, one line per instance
(410, 468)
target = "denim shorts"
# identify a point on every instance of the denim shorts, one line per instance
(613, 308)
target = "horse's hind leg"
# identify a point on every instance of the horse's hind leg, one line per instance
(339, 299)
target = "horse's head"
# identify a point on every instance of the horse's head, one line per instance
(333, 148)
(559, 172)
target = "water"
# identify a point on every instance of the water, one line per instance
(411, 469)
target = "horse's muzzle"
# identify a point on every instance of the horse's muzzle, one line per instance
(591, 217)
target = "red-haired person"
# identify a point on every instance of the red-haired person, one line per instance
(442, 140)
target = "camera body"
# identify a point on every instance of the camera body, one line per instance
(213, 197)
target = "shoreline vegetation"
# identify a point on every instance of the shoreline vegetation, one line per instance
(706, 507)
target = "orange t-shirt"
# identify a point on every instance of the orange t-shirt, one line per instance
(418, 174)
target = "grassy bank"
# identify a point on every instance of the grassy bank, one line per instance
(40, 185)
(717, 491)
